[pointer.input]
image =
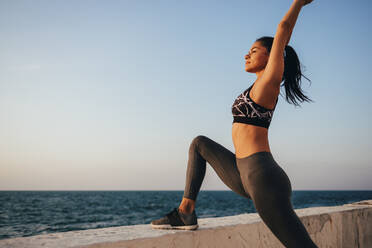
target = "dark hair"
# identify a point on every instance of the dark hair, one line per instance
(292, 72)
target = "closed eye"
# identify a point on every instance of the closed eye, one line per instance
(251, 52)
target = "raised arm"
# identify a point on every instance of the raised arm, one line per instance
(275, 66)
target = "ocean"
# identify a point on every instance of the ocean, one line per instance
(27, 213)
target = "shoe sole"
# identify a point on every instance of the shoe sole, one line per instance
(190, 227)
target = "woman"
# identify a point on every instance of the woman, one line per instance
(252, 171)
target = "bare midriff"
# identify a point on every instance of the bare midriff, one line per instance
(249, 139)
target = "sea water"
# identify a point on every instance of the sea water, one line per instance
(26, 213)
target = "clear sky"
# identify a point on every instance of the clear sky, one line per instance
(108, 95)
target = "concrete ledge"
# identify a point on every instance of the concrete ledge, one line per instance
(345, 226)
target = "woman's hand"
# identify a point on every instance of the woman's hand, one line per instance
(304, 2)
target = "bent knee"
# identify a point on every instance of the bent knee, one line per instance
(197, 142)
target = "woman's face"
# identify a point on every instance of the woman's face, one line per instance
(256, 59)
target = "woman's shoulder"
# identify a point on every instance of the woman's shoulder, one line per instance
(264, 94)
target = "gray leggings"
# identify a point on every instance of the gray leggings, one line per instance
(257, 177)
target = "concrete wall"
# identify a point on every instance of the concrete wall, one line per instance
(345, 226)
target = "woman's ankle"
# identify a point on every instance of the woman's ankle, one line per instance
(187, 206)
(185, 210)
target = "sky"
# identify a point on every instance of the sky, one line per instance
(108, 95)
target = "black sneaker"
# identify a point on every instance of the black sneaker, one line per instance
(176, 220)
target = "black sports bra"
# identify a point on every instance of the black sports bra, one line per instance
(245, 110)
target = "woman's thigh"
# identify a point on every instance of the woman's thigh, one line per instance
(270, 189)
(262, 176)
(222, 160)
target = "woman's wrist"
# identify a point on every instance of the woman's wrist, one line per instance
(300, 2)
(303, 2)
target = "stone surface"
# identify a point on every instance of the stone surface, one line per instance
(345, 226)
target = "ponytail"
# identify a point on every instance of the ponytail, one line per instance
(292, 73)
